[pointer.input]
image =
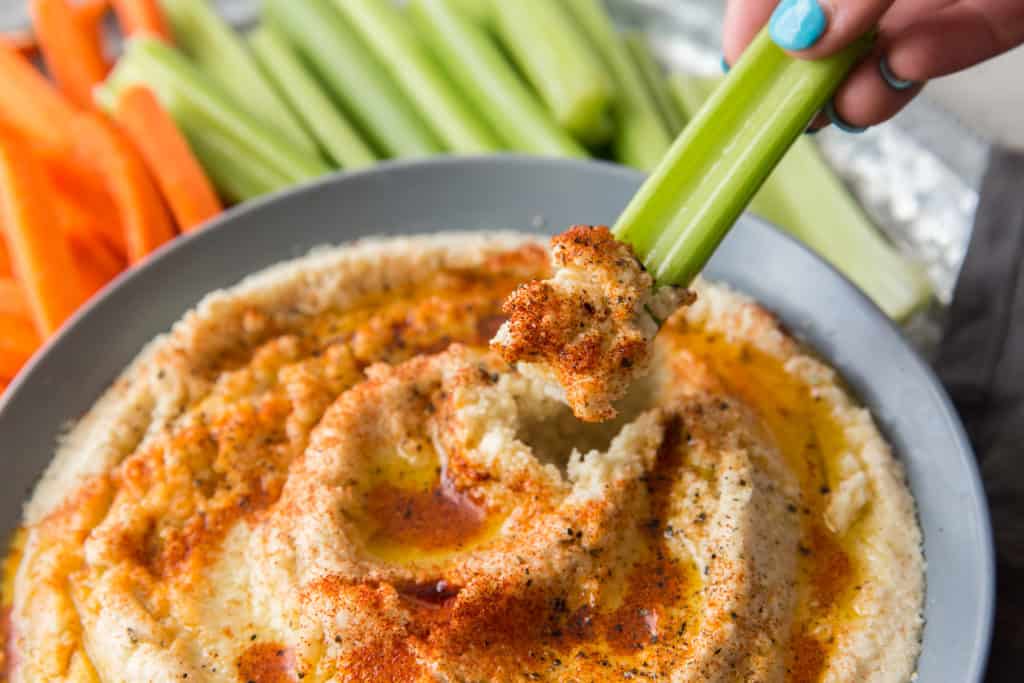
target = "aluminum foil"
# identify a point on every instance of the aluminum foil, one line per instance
(917, 176)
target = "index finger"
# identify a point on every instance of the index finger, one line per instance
(743, 20)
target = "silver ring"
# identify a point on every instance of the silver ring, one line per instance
(891, 79)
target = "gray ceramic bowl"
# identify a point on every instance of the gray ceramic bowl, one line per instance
(542, 195)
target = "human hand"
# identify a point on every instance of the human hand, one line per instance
(918, 40)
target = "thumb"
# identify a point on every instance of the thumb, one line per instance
(818, 28)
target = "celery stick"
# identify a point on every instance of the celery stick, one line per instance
(558, 61)
(195, 101)
(330, 127)
(483, 74)
(680, 215)
(641, 140)
(219, 51)
(656, 81)
(234, 175)
(480, 12)
(690, 92)
(355, 79)
(804, 197)
(387, 31)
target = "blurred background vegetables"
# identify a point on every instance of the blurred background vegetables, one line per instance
(102, 161)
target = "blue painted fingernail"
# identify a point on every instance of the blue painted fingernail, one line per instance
(725, 65)
(797, 24)
(841, 123)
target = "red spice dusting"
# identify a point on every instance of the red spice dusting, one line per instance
(806, 660)
(653, 587)
(267, 663)
(434, 518)
(391, 661)
(429, 594)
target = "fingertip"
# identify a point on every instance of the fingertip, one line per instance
(743, 20)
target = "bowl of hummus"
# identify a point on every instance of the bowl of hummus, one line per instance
(297, 446)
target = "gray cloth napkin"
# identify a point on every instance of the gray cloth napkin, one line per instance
(981, 362)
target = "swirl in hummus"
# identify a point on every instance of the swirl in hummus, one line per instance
(324, 474)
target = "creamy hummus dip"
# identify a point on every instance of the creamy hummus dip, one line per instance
(324, 474)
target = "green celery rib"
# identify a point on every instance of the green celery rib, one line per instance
(641, 139)
(686, 207)
(352, 76)
(234, 175)
(195, 101)
(557, 59)
(805, 197)
(391, 38)
(656, 81)
(690, 92)
(482, 72)
(330, 127)
(480, 12)
(220, 52)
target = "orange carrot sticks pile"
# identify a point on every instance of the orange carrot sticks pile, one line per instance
(82, 196)
(144, 218)
(184, 184)
(23, 43)
(18, 341)
(72, 50)
(142, 17)
(42, 259)
(30, 105)
(12, 299)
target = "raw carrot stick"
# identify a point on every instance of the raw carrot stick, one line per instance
(142, 17)
(178, 173)
(71, 50)
(43, 264)
(12, 298)
(89, 15)
(101, 258)
(145, 219)
(84, 198)
(18, 341)
(5, 259)
(94, 268)
(32, 106)
(91, 12)
(24, 43)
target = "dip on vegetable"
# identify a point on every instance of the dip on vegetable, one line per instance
(324, 474)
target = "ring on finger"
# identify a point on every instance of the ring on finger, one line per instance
(841, 123)
(891, 79)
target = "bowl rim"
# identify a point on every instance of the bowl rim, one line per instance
(239, 213)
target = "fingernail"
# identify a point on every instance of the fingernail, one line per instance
(841, 123)
(725, 65)
(797, 24)
(812, 131)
